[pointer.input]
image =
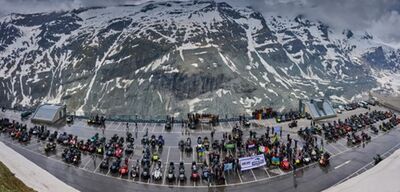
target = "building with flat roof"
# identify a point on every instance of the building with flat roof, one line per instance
(319, 109)
(49, 113)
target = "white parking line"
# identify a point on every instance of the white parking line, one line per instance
(154, 127)
(87, 163)
(266, 171)
(230, 125)
(119, 125)
(143, 128)
(98, 166)
(240, 178)
(330, 152)
(84, 160)
(335, 148)
(338, 142)
(255, 178)
(280, 171)
(165, 167)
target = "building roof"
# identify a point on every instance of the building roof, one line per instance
(320, 108)
(47, 112)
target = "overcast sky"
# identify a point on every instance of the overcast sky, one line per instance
(379, 17)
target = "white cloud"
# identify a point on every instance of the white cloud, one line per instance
(379, 17)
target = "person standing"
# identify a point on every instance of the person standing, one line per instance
(136, 130)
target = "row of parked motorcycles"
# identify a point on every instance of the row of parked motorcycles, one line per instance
(338, 129)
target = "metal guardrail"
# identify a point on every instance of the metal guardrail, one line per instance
(138, 119)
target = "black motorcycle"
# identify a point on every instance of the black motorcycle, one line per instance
(171, 174)
(182, 176)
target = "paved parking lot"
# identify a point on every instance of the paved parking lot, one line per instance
(171, 153)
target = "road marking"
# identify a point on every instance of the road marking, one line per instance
(165, 167)
(87, 163)
(266, 171)
(230, 125)
(84, 160)
(143, 128)
(240, 178)
(120, 124)
(280, 171)
(347, 162)
(255, 178)
(24, 147)
(328, 150)
(152, 130)
(97, 167)
(337, 149)
(341, 144)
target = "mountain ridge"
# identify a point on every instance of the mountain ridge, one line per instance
(178, 57)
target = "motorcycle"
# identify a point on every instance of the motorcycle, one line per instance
(374, 129)
(124, 170)
(115, 166)
(306, 159)
(160, 141)
(50, 146)
(182, 176)
(275, 161)
(194, 176)
(157, 173)
(100, 150)
(155, 157)
(53, 136)
(110, 152)
(293, 124)
(153, 141)
(135, 170)
(206, 143)
(44, 135)
(181, 145)
(105, 164)
(168, 126)
(206, 173)
(146, 171)
(324, 161)
(171, 175)
(129, 148)
(314, 155)
(365, 136)
(188, 146)
(285, 165)
(129, 138)
(118, 153)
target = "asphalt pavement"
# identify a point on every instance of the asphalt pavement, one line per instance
(345, 163)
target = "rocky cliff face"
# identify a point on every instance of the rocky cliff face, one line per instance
(179, 57)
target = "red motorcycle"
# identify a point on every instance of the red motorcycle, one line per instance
(118, 153)
(195, 176)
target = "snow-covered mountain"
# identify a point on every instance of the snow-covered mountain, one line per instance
(179, 57)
